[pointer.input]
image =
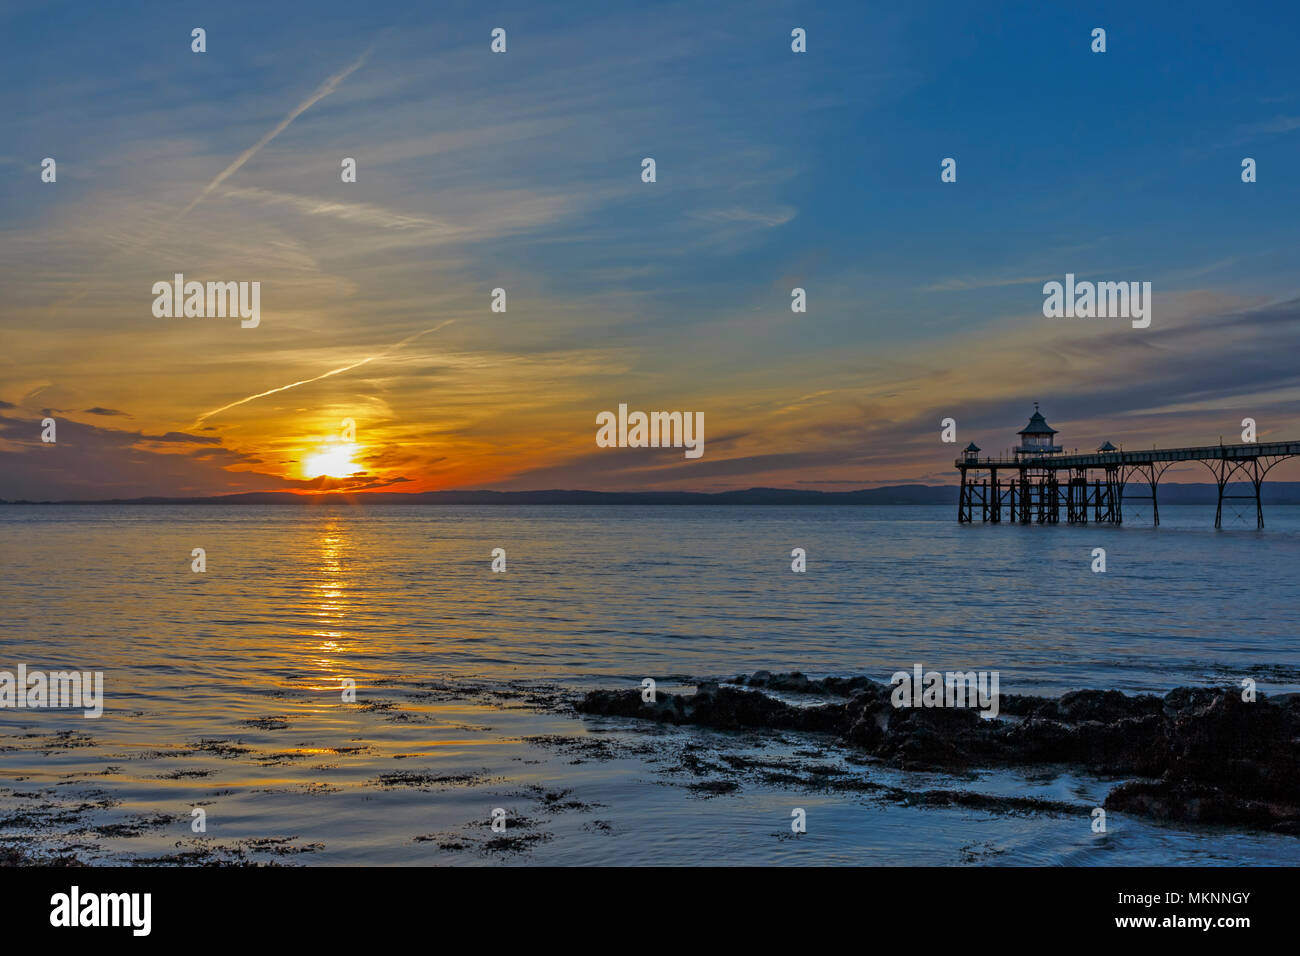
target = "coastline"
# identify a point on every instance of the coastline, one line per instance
(900, 495)
(1193, 761)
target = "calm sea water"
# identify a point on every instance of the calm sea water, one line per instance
(223, 687)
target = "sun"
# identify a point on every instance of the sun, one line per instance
(334, 461)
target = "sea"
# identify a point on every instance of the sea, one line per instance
(355, 684)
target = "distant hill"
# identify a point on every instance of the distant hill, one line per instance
(1276, 493)
(895, 495)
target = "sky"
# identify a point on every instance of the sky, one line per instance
(522, 170)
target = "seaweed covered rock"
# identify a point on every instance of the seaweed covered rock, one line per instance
(1178, 801)
(722, 707)
(1208, 756)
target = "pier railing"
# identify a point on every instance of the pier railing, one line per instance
(1107, 459)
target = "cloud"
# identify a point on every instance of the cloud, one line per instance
(89, 463)
(484, 214)
(363, 214)
(358, 482)
(182, 438)
(1279, 124)
(1181, 382)
(987, 282)
(775, 216)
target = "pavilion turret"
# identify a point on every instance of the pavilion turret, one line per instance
(1037, 438)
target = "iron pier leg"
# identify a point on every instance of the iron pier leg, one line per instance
(1155, 507)
(1257, 479)
(1218, 510)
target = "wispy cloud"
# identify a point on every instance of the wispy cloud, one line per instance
(775, 216)
(971, 283)
(1278, 124)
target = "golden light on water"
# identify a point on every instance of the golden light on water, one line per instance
(329, 603)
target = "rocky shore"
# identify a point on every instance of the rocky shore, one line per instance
(1196, 755)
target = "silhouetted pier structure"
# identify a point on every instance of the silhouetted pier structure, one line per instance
(1039, 484)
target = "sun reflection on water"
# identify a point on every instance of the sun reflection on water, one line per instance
(329, 605)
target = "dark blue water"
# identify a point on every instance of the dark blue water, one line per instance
(296, 600)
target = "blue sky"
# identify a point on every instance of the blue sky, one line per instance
(521, 170)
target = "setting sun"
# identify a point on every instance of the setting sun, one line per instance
(332, 462)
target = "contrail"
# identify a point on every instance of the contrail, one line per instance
(307, 381)
(325, 89)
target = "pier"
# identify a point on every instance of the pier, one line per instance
(1039, 484)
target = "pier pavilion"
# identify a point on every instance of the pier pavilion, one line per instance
(1040, 484)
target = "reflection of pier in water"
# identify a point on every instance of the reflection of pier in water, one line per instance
(1040, 484)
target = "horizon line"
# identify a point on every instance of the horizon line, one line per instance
(757, 495)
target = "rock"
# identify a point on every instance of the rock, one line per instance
(1173, 801)
(1218, 759)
